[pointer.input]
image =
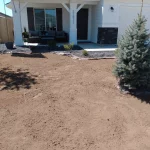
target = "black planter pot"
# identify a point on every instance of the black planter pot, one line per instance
(9, 45)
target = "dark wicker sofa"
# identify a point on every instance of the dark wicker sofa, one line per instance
(40, 36)
(34, 37)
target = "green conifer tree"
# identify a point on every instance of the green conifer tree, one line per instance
(133, 56)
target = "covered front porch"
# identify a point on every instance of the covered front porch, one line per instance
(74, 17)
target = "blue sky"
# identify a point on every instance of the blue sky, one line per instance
(8, 11)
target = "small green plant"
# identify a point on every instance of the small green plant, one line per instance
(25, 40)
(68, 47)
(25, 34)
(52, 43)
(85, 53)
(25, 30)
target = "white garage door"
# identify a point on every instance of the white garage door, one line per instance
(128, 14)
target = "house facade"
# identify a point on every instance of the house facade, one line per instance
(97, 21)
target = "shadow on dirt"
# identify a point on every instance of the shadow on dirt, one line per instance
(15, 80)
(143, 96)
(32, 55)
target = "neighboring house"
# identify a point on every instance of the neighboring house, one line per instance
(98, 21)
(6, 28)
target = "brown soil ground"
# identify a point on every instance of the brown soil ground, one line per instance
(57, 103)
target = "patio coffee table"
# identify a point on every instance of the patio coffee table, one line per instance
(44, 40)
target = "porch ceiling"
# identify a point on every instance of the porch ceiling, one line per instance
(62, 1)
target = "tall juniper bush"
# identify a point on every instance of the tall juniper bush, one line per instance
(133, 57)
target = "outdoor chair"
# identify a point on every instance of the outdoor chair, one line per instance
(34, 37)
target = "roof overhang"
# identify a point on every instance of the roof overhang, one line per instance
(59, 1)
(88, 2)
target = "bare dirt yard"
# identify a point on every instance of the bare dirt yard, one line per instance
(57, 103)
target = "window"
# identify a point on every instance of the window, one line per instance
(50, 19)
(39, 19)
(45, 19)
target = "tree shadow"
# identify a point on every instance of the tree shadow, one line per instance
(143, 96)
(15, 80)
(37, 55)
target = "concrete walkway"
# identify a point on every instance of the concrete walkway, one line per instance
(91, 47)
(97, 47)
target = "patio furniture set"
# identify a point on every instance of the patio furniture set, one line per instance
(43, 37)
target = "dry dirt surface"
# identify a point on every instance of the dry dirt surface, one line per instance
(58, 103)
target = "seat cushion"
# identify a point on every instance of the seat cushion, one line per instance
(51, 33)
(60, 34)
(42, 33)
(34, 33)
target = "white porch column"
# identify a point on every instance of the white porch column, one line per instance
(17, 23)
(73, 23)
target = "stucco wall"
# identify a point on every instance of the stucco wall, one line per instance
(125, 20)
(122, 17)
(97, 19)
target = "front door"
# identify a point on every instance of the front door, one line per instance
(82, 24)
